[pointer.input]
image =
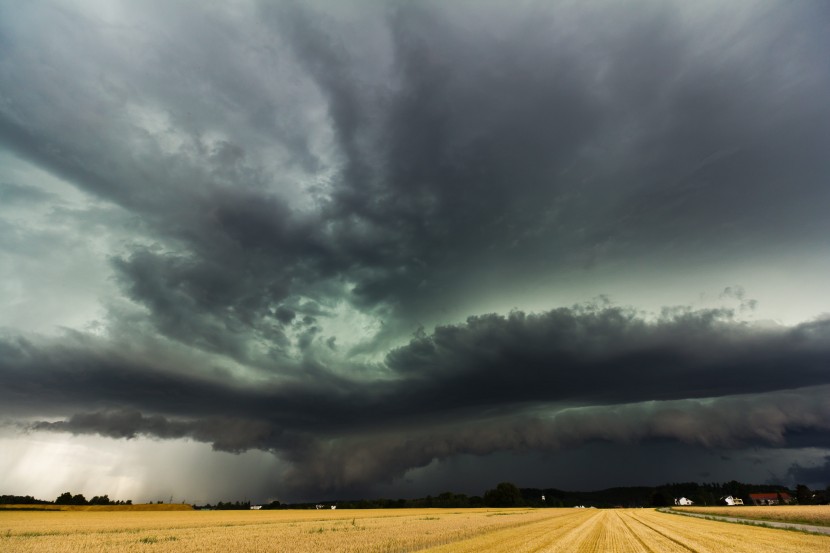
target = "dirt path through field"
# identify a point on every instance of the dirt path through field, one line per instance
(756, 522)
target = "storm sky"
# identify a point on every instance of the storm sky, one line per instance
(306, 250)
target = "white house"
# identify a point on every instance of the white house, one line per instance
(683, 501)
(733, 500)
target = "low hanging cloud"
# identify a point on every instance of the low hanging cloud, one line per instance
(326, 464)
(813, 475)
(300, 227)
(523, 382)
(225, 434)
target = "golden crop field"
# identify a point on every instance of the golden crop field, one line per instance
(818, 515)
(386, 531)
(136, 507)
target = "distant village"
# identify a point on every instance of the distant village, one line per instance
(756, 499)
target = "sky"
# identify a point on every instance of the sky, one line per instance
(306, 250)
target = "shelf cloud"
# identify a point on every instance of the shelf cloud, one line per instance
(368, 239)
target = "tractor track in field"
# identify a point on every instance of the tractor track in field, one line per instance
(665, 535)
(640, 540)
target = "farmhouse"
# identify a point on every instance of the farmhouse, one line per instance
(731, 500)
(683, 501)
(775, 498)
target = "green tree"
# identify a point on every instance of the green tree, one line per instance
(661, 499)
(504, 495)
(803, 494)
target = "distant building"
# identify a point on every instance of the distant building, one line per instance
(774, 498)
(683, 501)
(730, 500)
(256, 507)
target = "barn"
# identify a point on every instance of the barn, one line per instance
(773, 498)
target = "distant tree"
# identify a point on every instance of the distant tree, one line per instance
(67, 498)
(504, 495)
(100, 500)
(661, 499)
(451, 500)
(704, 497)
(237, 506)
(803, 494)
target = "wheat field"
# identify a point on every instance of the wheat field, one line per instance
(386, 531)
(98, 508)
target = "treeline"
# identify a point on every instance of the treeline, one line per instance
(67, 498)
(236, 506)
(509, 495)
(503, 495)
(21, 500)
(664, 495)
(710, 494)
(447, 500)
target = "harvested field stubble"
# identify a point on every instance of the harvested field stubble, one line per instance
(136, 507)
(572, 530)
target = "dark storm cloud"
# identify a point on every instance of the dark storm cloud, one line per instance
(16, 194)
(520, 382)
(226, 434)
(511, 157)
(607, 355)
(729, 422)
(594, 134)
(579, 356)
(812, 475)
(353, 460)
(288, 164)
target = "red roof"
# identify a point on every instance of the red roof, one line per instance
(784, 495)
